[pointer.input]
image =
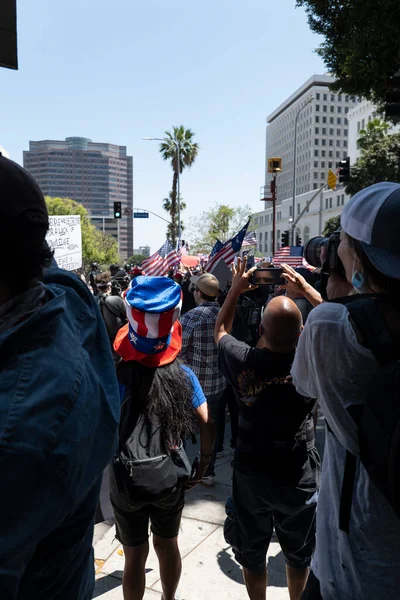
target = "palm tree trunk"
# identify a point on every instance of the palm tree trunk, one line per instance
(173, 208)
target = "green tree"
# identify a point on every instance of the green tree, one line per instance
(96, 245)
(136, 259)
(220, 222)
(380, 162)
(331, 226)
(167, 206)
(374, 132)
(188, 151)
(360, 46)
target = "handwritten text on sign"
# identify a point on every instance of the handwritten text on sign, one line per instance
(65, 238)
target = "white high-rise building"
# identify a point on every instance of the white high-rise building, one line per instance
(359, 116)
(4, 152)
(322, 141)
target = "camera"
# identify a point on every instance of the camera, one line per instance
(312, 254)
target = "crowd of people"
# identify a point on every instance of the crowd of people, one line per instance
(125, 373)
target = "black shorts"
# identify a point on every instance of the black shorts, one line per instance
(260, 504)
(132, 518)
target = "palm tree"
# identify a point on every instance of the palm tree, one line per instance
(374, 132)
(188, 151)
(172, 228)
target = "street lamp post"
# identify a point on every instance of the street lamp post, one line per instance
(294, 166)
(178, 150)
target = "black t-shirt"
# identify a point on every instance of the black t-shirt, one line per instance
(276, 428)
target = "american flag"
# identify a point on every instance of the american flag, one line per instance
(292, 256)
(162, 261)
(217, 247)
(227, 250)
(250, 239)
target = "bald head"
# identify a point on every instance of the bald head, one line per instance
(282, 323)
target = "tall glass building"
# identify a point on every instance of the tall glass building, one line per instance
(93, 174)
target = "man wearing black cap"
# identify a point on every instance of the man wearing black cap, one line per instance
(59, 408)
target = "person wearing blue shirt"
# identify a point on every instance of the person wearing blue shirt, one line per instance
(59, 408)
(161, 397)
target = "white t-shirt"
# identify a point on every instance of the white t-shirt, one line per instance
(332, 366)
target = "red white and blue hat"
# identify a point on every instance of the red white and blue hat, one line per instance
(153, 335)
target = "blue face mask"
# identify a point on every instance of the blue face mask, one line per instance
(358, 281)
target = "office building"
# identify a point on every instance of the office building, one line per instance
(3, 152)
(93, 174)
(359, 117)
(321, 118)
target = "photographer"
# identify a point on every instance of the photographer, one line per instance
(348, 358)
(112, 307)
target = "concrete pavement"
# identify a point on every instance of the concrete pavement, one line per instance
(209, 571)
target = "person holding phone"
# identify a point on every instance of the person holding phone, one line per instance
(276, 466)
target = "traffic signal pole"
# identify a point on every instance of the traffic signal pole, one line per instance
(273, 190)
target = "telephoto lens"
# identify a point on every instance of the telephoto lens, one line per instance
(312, 250)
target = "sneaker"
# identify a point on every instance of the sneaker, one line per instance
(208, 480)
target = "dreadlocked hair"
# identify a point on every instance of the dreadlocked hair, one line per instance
(162, 392)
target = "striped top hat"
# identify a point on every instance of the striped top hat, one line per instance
(153, 335)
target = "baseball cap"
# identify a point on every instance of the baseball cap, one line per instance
(208, 284)
(23, 211)
(372, 217)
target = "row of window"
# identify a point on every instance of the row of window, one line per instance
(331, 131)
(339, 143)
(339, 98)
(332, 108)
(331, 120)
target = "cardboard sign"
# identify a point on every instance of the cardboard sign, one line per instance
(65, 238)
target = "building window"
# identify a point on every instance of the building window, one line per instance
(324, 131)
(317, 130)
(338, 132)
(323, 152)
(315, 164)
(315, 175)
(340, 98)
(267, 218)
(317, 118)
(337, 154)
(345, 144)
(324, 119)
(315, 152)
(256, 220)
(316, 141)
(317, 107)
(346, 110)
(325, 97)
(342, 200)
(333, 109)
(331, 131)
(278, 237)
(323, 141)
(315, 186)
(330, 202)
(260, 242)
(326, 203)
(323, 164)
(339, 121)
(318, 96)
(298, 209)
(331, 120)
(330, 154)
(338, 144)
(330, 164)
(347, 98)
(290, 211)
(279, 215)
(346, 132)
(322, 175)
(338, 201)
(325, 108)
(266, 242)
(306, 235)
(261, 220)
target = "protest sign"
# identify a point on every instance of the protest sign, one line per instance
(65, 238)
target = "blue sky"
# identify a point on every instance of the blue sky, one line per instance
(115, 71)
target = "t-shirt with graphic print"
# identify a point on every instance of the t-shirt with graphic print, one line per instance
(276, 429)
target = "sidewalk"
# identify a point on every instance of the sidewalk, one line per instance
(209, 570)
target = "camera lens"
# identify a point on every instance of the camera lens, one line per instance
(312, 251)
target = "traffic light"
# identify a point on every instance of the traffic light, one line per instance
(344, 170)
(285, 239)
(392, 100)
(299, 241)
(117, 210)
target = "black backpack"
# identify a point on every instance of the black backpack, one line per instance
(144, 466)
(378, 419)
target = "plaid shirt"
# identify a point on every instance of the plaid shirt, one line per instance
(199, 350)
